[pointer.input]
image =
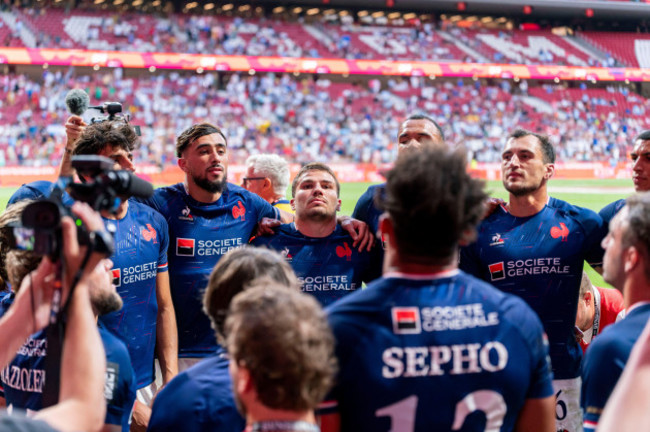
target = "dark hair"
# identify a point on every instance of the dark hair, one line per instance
(97, 136)
(637, 231)
(15, 264)
(427, 118)
(283, 339)
(643, 136)
(187, 137)
(234, 272)
(548, 152)
(314, 166)
(433, 203)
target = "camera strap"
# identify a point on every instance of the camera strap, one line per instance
(54, 335)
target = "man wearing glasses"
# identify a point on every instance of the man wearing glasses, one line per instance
(267, 175)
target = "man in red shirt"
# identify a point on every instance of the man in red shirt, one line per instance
(597, 308)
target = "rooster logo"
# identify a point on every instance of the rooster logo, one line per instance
(149, 233)
(344, 251)
(239, 210)
(562, 231)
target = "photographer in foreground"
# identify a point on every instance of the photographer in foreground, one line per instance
(81, 404)
(24, 377)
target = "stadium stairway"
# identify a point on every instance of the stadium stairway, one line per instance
(582, 44)
(26, 35)
(464, 47)
(540, 105)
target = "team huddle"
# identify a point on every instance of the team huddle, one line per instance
(473, 316)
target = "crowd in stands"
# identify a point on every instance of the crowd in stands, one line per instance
(324, 36)
(309, 118)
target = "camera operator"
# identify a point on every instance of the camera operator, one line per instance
(81, 405)
(24, 377)
(147, 320)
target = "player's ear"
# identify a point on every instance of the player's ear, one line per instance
(631, 258)
(386, 229)
(338, 205)
(182, 164)
(293, 204)
(589, 297)
(550, 171)
(242, 379)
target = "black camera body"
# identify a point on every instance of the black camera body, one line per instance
(112, 109)
(103, 190)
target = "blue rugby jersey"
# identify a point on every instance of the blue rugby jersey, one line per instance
(37, 190)
(120, 386)
(200, 233)
(141, 241)
(24, 377)
(328, 267)
(608, 212)
(605, 360)
(423, 352)
(366, 210)
(198, 399)
(540, 259)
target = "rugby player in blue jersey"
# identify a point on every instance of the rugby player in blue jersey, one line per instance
(626, 266)
(534, 246)
(267, 175)
(207, 217)
(201, 397)
(147, 322)
(318, 249)
(640, 156)
(416, 132)
(24, 377)
(428, 347)
(282, 358)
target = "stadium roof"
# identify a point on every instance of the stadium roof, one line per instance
(603, 9)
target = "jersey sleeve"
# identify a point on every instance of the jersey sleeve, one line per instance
(595, 232)
(263, 208)
(608, 212)
(170, 411)
(120, 388)
(153, 201)
(363, 205)
(601, 370)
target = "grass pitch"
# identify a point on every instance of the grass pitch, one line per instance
(592, 194)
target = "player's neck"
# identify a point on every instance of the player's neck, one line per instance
(396, 263)
(201, 195)
(528, 205)
(635, 292)
(119, 214)
(317, 229)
